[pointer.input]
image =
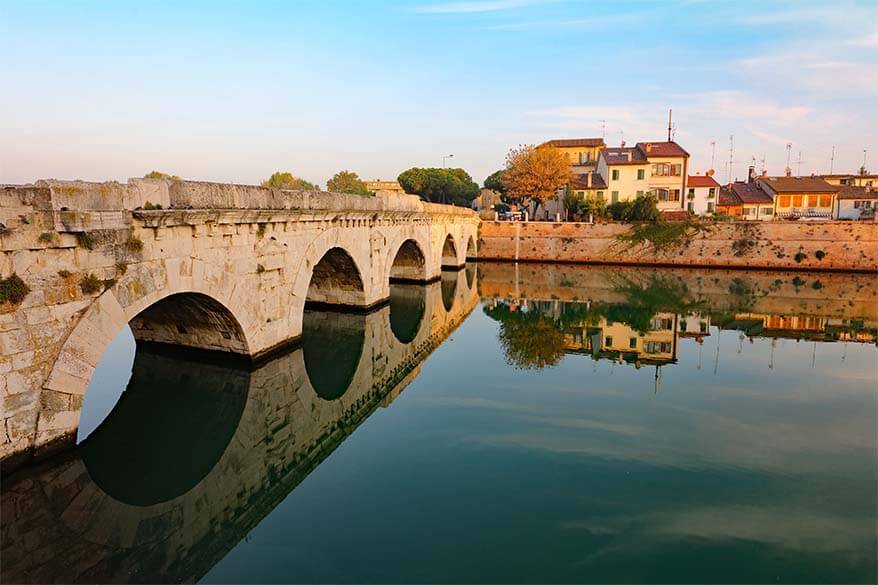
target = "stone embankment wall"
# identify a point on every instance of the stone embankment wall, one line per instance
(845, 246)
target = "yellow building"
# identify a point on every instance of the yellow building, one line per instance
(800, 196)
(859, 180)
(582, 153)
(624, 171)
(379, 185)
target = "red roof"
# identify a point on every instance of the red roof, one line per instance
(751, 193)
(701, 181)
(669, 148)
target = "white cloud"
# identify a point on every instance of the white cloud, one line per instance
(866, 41)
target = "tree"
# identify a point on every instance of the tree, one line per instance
(440, 185)
(347, 182)
(533, 175)
(279, 180)
(529, 340)
(644, 208)
(160, 175)
(495, 182)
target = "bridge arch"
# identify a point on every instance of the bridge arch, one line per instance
(471, 252)
(194, 314)
(449, 253)
(409, 262)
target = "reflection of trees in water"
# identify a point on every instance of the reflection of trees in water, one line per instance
(534, 338)
(530, 339)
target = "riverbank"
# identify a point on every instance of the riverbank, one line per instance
(811, 246)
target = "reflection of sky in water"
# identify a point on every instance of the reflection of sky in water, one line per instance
(580, 472)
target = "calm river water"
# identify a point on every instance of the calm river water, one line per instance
(578, 425)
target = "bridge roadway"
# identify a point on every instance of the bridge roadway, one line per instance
(169, 511)
(211, 266)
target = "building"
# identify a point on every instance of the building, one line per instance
(800, 196)
(624, 171)
(701, 194)
(862, 179)
(589, 185)
(582, 153)
(746, 201)
(379, 185)
(668, 168)
(855, 203)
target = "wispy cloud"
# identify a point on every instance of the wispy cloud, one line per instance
(587, 22)
(474, 6)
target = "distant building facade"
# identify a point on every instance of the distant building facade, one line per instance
(702, 194)
(379, 185)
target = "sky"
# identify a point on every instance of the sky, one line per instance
(233, 91)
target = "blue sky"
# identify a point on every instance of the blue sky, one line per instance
(232, 91)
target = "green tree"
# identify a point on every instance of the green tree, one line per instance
(347, 182)
(160, 175)
(495, 182)
(529, 340)
(440, 185)
(644, 208)
(279, 180)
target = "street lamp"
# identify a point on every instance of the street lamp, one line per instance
(445, 158)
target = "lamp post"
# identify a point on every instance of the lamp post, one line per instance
(445, 158)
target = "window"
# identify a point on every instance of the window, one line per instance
(614, 197)
(783, 201)
(666, 170)
(640, 193)
(632, 343)
(749, 211)
(609, 341)
(600, 194)
(674, 195)
(797, 200)
(826, 201)
(812, 200)
(641, 174)
(711, 193)
(857, 204)
(615, 174)
(691, 193)
(710, 206)
(691, 207)
(767, 211)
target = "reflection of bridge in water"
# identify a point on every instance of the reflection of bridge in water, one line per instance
(195, 454)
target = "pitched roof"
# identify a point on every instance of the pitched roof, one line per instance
(572, 142)
(751, 193)
(728, 197)
(580, 182)
(701, 181)
(851, 192)
(798, 185)
(623, 156)
(667, 148)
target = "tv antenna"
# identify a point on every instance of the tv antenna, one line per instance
(603, 129)
(863, 168)
(832, 160)
(670, 127)
(799, 165)
(713, 154)
(731, 157)
(788, 171)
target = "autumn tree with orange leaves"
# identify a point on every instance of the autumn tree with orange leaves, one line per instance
(534, 174)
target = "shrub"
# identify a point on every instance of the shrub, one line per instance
(133, 244)
(151, 206)
(47, 237)
(817, 285)
(86, 240)
(13, 289)
(121, 268)
(799, 257)
(65, 273)
(797, 282)
(260, 229)
(820, 254)
(90, 284)
(260, 268)
(108, 283)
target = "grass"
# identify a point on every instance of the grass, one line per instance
(86, 240)
(91, 284)
(660, 235)
(47, 237)
(133, 244)
(13, 290)
(65, 273)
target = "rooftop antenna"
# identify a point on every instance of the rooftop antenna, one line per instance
(762, 165)
(670, 127)
(799, 165)
(713, 154)
(832, 160)
(731, 156)
(622, 133)
(788, 171)
(603, 129)
(863, 168)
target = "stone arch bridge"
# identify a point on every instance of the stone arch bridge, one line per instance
(210, 266)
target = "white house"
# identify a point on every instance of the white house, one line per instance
(856, 203)
(702, 192)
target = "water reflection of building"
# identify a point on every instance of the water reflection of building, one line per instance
(805, 327)
(620, 342)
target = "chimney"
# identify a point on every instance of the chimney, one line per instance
(788, 172)
(588, 181)
(751, 173)
(648, 147)
(629, 156)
